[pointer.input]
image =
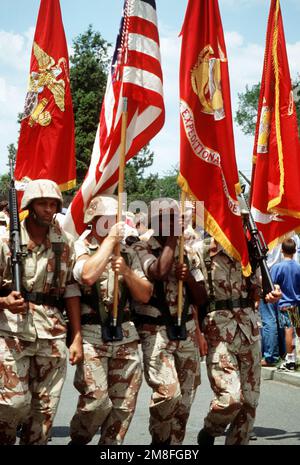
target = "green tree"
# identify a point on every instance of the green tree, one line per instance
(5, 178)
(12, 153)
(88, 75)
(246, 115)
(146, 188)
(4, 186)
(167, 185)
(137, 185)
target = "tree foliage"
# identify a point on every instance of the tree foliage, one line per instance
(88, 75)
(4, 186)
(5, 178)
(148, 187)
(167, 185)
(246, 115)
(12, 153)
(137, 185)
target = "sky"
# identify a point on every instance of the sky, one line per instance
(244, 24)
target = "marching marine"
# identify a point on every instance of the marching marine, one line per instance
(32, 328)
(110, 375)
(170, 352)
(234, 355)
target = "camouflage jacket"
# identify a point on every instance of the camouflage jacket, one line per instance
(106, 287)
(40, 321)
(229, 285)
(147, 255)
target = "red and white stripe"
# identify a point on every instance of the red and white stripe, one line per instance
(136, 74)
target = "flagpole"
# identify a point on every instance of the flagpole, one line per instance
(181, 259)
(120, 205)
(252, 183)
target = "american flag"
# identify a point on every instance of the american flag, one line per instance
(136, 74)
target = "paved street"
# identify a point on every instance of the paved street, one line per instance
(277, 421)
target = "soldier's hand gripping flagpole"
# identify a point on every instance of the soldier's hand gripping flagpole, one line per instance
(120, 204)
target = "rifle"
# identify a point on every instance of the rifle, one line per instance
(14, 233)
(258, 247)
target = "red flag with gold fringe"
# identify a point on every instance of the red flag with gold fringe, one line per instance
(208, 170)
(275, 199)
(46, 146)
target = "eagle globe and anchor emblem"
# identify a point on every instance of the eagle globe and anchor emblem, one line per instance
(206, 82)
(46, 77)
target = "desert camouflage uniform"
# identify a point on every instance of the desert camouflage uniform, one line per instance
(32, 345)
(233, 360)
(110, 375)
(171, 368)
(4, 222)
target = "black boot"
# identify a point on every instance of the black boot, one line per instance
(205, 439)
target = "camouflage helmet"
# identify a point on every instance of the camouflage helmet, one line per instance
(41, 188)
(101, 205)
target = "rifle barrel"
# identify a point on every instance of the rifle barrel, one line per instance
(259, 249)
(15, 233)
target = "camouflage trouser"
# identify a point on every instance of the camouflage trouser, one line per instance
(234, 375)
(31, 379)
(108, 380)
(172, 370)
